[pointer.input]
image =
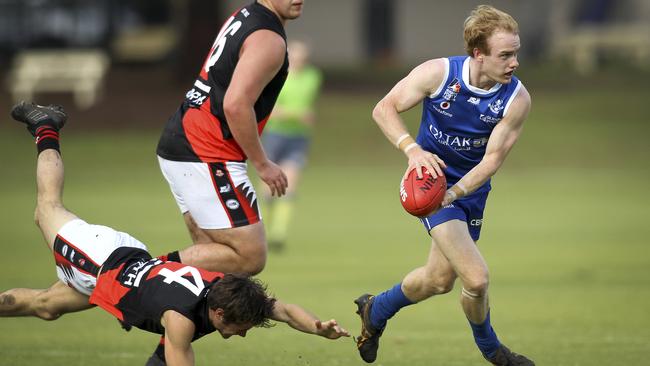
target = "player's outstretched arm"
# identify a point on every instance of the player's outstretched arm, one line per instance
(424, 80)
(179, 331)
(300, 319)
(502, 139)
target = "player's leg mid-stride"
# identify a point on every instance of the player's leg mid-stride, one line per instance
(368, 341)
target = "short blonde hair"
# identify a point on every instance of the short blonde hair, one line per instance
(484, 21)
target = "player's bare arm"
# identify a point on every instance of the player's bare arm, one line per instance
(179, 331)
(261, 57)
(299, 319)
(501, 141)
(407, 93)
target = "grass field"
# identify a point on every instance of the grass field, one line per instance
(565, 235)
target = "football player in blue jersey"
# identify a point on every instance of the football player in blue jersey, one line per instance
(473, 113)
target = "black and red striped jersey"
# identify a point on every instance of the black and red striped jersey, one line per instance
(199, 131)
(138, 289)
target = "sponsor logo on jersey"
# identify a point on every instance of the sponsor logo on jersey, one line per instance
(489, 119)
(245, 12)
(496, 106)
(456, 86)
(225, 189)
(132, 275)
(232, 204)
(198, 94)
(219, 173)
(452, 90)
(82, 262)
(480, 142)
(195, 98)
(459, 143)
(474, 100)
(442, 111)
(476, 222)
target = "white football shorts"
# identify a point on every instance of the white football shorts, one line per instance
(217, 195)
(80, 249)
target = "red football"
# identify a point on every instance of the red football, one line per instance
(420, 197)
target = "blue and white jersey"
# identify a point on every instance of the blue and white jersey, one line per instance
(457, 119)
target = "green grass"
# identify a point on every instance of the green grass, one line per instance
(565, 235)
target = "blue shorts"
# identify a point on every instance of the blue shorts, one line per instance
(280, 148)
(468, 209)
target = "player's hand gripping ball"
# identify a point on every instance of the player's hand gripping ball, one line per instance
(420, 197)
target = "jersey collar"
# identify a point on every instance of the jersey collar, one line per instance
(472, 88)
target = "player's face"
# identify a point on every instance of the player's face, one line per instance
(502, 62)
(287, 9)
(228, 330)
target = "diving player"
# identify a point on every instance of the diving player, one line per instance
(97, 265)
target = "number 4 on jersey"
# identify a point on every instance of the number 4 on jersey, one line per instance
(177, 276)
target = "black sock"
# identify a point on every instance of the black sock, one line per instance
(47, 138)
(174, 256)
(171, 257)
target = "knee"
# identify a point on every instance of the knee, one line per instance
(440, 284)
(43, 307)
(251, 268)
(250, 258)
(477, 285)
(253, 263)
(428, 286)
(444, 286)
